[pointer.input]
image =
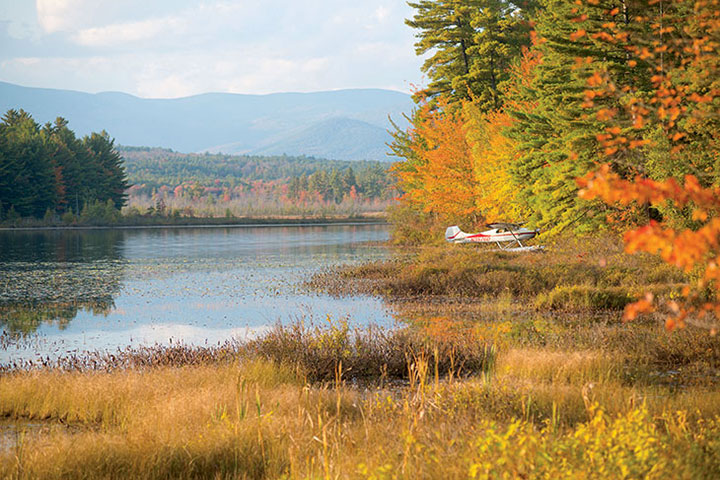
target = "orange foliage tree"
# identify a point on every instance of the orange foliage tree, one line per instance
(679, 55)
(460, 163)
(441, 177)
(693, 250)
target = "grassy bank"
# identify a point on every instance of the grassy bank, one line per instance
(198, 413)
(591, 274)
(328, 403)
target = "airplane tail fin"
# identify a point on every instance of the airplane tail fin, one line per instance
(454, 233)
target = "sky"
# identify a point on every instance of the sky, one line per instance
(177, 48)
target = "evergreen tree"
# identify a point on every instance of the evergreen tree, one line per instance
(294, 188)
(349, 180)
(473, 43)
(445, 27)
(318, 182)
(28, 174)
(335, 186)
(558, 137)
(76, 170)
(502, 32)
(112, 181)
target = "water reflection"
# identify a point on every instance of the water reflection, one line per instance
(49, 277)
(106, 289)
(60, 246)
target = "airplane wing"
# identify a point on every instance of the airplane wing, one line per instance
(510, 226)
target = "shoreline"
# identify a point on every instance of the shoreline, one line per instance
(226, 223)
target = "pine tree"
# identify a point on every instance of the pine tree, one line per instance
(335, 186)
(72, 159)
(445, 27)
(503, 31)
(558, 136)
(28, 172)
(473, 43)
(112, 182)
(349, 179)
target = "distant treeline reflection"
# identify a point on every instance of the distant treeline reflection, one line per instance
(51, 276)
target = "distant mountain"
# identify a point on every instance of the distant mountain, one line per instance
(343, 124)
(338, 138)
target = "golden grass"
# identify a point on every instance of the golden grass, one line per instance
(258, 419)
(560, 367)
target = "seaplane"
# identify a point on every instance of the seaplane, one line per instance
(507, 236)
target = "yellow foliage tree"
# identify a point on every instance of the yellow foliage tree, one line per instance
(492, 153)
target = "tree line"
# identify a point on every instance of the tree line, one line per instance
(371, 182)
(526, 96)
(156, 171)
(46, 171)
(160, 166)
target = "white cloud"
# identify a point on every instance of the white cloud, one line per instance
(249, 73)
(122, 34)
(171, 48)
(54, 15)
(75, 15)
(381, 13)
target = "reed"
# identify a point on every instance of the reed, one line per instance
(260, 419)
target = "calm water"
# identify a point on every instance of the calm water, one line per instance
(72, 291)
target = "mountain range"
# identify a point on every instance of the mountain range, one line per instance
(342, 124)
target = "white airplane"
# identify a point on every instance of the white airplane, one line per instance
(503, 234)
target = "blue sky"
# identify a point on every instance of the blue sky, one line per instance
(175, 48)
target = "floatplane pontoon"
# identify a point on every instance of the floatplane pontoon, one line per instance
(507, 236)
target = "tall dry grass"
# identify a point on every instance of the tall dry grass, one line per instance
(259, 419)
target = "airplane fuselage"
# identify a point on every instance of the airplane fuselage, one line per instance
(490, 236)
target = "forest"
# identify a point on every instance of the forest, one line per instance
(47, 174)
(244, 185)
(46, 171)
(526, 97)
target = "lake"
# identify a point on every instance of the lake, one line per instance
(69, 291)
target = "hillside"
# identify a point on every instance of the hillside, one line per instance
(340, 138)
(155, 167)
(344, 124)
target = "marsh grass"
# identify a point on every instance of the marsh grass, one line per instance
(537, 416)
(369, 353)
(510, 367)
(592, 274)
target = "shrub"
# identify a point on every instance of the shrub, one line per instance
(371, 353)
(584, 297)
